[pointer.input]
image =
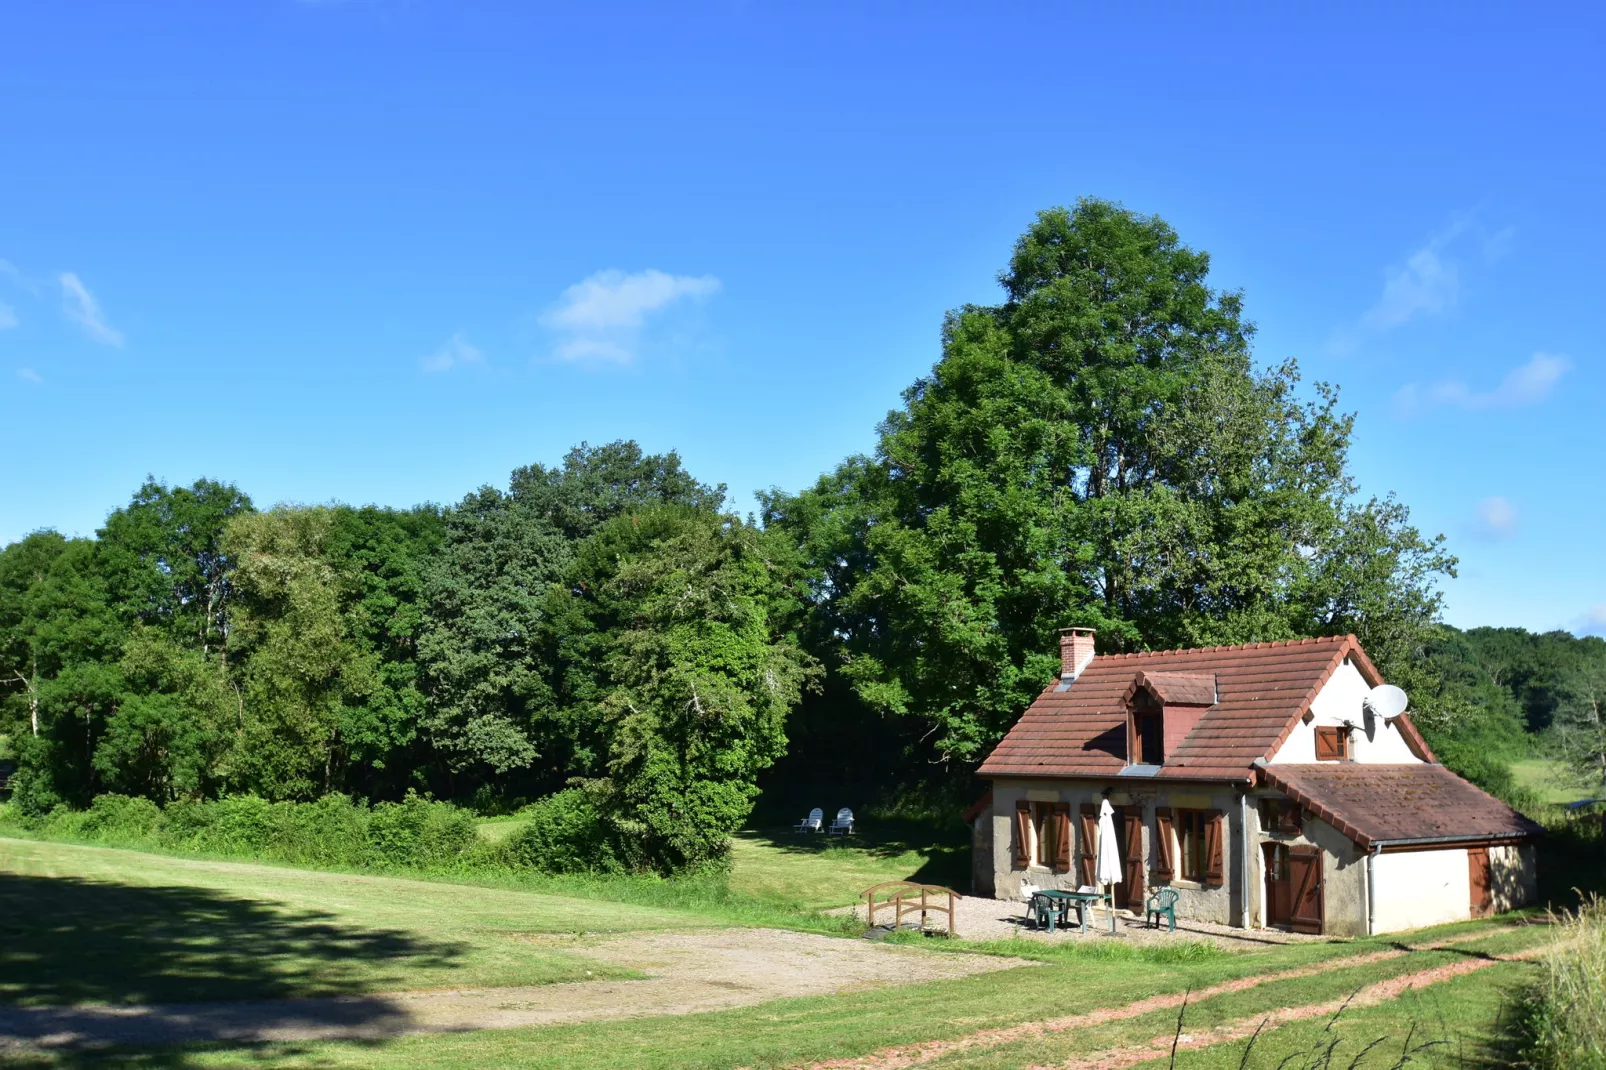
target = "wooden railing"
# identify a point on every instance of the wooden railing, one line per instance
(908, 897)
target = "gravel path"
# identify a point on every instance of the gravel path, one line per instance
(688, 972)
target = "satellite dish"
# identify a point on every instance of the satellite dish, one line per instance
(1385, 701)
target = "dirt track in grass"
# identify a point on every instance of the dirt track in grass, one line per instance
(687, 972)
(917, 1054)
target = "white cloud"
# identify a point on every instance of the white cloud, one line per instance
(456, 352)
(1593, 622)
(601, 318)
(1429, 281)
(8, 317)
(1526, 384)
(1494, 519)
(28, 375)
(81, 306)
(8, 270)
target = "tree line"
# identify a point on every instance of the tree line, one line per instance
(1097, 449)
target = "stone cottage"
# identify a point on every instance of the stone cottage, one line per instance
(1259, 781)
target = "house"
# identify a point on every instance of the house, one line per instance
(1258, 781)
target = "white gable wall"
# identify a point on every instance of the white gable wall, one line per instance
(1338, 701)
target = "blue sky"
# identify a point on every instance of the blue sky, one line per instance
(387, 251)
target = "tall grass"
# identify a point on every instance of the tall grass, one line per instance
(1565, 1018)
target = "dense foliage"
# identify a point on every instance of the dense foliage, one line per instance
(1098, 450)
(603, 640)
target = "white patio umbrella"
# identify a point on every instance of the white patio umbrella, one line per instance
(1107, 860)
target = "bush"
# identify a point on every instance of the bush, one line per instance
(1565, 1019)
(566, 834)
(334, 831)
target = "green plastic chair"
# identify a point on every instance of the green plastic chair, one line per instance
(1162, 902)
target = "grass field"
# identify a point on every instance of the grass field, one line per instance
(98, 924)
(116, 926)
(1552, 781)
(815, 872)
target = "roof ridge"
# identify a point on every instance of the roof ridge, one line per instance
(1271, 645)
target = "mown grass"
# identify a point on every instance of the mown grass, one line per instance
(814, 872)
(90, 924)
(1553, 782)
(800, 1031)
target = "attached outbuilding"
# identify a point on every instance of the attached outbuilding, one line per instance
(1261, 782)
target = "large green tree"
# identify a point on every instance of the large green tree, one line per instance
(486, 645)
(681, 655)
(1099, 449)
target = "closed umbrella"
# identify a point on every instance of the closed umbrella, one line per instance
(1107, 861)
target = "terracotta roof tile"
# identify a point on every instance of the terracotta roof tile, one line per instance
(1261, 690)
(1178, 688)
(1373, 804)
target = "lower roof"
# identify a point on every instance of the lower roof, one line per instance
(1378, 805)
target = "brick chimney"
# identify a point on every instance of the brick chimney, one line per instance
(1076, 650)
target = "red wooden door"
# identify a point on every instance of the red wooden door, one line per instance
(1305, 883)
(1478, 876)
(1132, 856)
(1279, 888)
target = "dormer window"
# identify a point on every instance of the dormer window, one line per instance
(1148, 730)
(1162, 708)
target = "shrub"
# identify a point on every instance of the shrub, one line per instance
(334, 831)
(421, 833)
(113, 819)
(566, 834)
(1565, 1019)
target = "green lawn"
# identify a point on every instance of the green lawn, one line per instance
(797, 1032)
(100, 924)
(1552, 781)
(811, 871)
(106, 925)
(815, 872)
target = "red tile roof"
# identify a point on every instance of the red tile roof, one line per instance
(1262, 690)
(1380, 804)
(1178, 688)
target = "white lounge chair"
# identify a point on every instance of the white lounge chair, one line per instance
(815, 822)
(843, 825)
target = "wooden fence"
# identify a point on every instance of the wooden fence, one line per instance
(907, 897)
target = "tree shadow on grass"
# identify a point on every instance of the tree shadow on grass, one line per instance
(65, 940)
(947, 856)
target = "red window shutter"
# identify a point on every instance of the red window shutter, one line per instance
(1089, 841)
(1023, 834)
(1329, 745)
(1164, 867)
(1214, 827)
(1062, 837)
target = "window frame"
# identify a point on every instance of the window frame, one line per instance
(1345, 745)
(1192, 835)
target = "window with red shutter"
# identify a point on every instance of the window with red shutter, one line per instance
(1215, 829)
(1086, 844)
(1023, 834)
(1164, 838)
(1332, 744)
(1062, 837)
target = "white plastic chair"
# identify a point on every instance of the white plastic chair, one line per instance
(843, 825)
(813, 823)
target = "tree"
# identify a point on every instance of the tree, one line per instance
(175, 725)
(303, 672)
(164, 560)
(1581, 717)
(691, 613)
(1097, 450)
(487, 666)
